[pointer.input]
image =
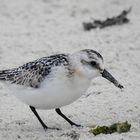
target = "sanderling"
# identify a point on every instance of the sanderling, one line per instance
(57, 80)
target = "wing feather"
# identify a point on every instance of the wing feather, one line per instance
(33, 73)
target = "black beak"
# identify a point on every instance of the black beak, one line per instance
(109, 77)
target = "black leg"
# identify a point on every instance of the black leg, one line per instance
(63, 116)
(38, 117)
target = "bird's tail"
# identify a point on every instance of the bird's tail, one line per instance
(6, 74)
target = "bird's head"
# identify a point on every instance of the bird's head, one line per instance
(90, 64)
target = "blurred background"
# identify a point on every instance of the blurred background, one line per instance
(30, 29)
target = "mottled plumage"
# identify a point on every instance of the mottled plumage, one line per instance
(33, 73)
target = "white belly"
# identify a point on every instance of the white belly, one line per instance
(54, 93)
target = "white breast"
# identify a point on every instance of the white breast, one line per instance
(56, 91)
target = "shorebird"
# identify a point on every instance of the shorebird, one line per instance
(57, 80)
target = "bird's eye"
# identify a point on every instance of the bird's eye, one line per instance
(93, 63)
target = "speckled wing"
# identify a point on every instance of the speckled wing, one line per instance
(33, 73)
(28, 76)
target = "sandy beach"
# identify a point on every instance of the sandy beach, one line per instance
(30, 29)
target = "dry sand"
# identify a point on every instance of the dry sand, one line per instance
(30, 29)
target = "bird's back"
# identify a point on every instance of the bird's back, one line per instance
(33, 73)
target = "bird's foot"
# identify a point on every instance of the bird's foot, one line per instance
(53, 128)
(50, 128)
(77, 125)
